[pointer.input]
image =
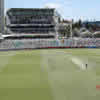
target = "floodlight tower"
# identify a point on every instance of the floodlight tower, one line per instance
(1, 16)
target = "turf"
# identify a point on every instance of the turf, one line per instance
(50, 74)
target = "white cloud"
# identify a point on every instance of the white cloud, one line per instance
(62, 6)
(53, 5)
(57, 6)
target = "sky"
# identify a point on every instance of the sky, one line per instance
(69, 9)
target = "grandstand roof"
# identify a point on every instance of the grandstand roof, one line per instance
(30, 9)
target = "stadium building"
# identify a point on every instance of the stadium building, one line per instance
(1, 16)
(40, 22)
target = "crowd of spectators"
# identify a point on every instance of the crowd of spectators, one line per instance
(45, 43)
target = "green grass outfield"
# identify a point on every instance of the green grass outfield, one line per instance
(57, 74)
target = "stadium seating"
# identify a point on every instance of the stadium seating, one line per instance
(47, 43)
